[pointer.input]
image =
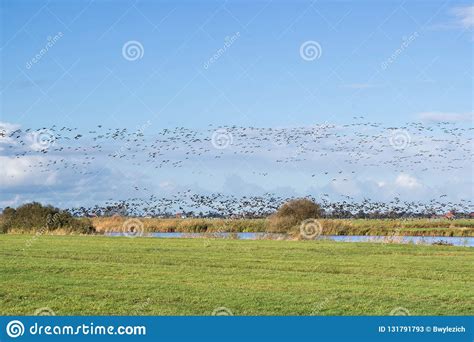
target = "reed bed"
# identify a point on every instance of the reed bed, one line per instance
(187, 225)
(379, 227)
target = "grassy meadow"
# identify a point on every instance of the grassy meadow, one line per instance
(99, 275)
(411, 227)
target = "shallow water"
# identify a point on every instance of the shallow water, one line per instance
(428, 240)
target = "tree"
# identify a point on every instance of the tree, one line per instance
(292, 213)
(37, 217)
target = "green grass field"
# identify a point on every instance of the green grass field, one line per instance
(97, 275)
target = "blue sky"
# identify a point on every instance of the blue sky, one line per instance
(261, 79)
(392, 62)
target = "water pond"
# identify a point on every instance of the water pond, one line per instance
(455, 241)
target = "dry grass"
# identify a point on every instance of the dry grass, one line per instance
(191, 225)
(412, 227)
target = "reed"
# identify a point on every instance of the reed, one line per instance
(411, 227)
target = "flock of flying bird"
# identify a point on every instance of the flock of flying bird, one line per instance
(327, 153)
(220, 205)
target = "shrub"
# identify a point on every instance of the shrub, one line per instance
(36, 217)
(292, 213)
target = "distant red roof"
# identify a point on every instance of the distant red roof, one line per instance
(449, 215)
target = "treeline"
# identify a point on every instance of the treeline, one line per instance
(36, 217)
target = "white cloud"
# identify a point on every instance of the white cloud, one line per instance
(406, 181)
(18, 172)
(11, 202)
(333, 152)
(347, 188)
(5, 130)
(8, 126)
(464, 16)
(167, 185)
(234, 184)
(445, 116)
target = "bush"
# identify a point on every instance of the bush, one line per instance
(292, 213)
(36, 217)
